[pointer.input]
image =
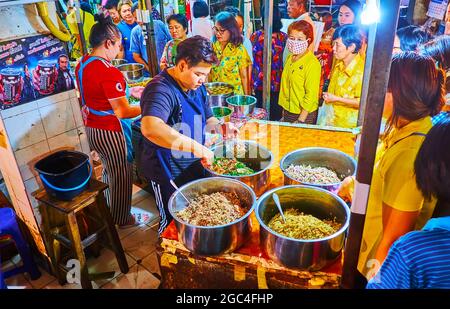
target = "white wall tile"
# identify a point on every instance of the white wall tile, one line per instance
(52, 99)
(76, 112)
(67, 140)
(84, 140)
(13, 111)
(25, 129)
(57, 118)
(27, 157)
(32, 185)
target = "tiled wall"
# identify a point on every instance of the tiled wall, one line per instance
(34, 130)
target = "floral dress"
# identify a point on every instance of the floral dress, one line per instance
(231, 60)
(278, 43)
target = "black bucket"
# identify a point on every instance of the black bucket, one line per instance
(65, 174)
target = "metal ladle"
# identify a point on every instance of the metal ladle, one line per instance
(277, 202)
(178, 190)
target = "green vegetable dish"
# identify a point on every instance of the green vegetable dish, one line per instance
(231, 167)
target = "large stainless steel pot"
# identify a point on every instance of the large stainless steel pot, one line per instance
(242, 105)
(213, 240)
(133, 72)
(218, 93)
(303, 254)
(253, 155)
(343, 164)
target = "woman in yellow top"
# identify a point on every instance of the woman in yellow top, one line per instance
(300, 81)
(341, 102)
(232, 55)
(396, 206)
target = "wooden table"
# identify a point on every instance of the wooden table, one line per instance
(248, 267)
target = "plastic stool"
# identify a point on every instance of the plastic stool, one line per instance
(2, 282)
(9, 226)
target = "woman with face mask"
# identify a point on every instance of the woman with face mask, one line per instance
(107, 116)
(300, 81)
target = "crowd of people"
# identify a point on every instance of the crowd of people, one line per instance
(315, 79)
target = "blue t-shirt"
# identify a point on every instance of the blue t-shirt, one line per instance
(162, 36)
(418, 260)
(125, 30)
(162, 99)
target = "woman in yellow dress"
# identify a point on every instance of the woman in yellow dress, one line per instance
(232, 55)
(300, 81)
(396, 206)
(341, 101)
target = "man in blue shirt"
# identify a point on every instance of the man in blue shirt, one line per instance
(421, 259)
(138, 44)
(175, 115)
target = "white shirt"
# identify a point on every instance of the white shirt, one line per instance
(202, 26)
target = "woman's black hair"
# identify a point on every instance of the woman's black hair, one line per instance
(200, 9)
(179, 18)
(195, 50)
(350, 34)
(411, 37)
(103, 30)
(276, 19)
(439, 50)
(356, 7)
(432, 165)
(417, 88)
(227, 21)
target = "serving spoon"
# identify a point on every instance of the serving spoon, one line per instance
(178, 190)
(277, 202)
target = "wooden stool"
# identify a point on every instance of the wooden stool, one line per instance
(55, 235)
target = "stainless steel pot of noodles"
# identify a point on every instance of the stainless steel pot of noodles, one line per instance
(256, 159)
(313, 235)
(316, 166)
(217, 218)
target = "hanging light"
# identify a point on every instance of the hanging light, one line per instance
(371, 12)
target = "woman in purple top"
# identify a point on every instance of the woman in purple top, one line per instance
(278, 42)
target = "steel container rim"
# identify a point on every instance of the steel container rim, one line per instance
(334, 235)
(136, 67)
(247, 214)
(241, 105)
(249, 175)
(207, 85)
(228, 109)
(315, 148)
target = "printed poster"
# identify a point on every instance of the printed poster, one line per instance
(32, 68)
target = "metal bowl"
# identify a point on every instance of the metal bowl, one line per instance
(133, 72)
(213, 240)
(253, 155)
(242, 105)
(303, 254)
(343, 164)
(218, 98)
(222, 113)
(117, 62)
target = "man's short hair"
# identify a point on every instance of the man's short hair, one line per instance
(63, 56)
(195, 50)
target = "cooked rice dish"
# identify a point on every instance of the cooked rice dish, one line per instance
(218, 90)
(315, 175)
(213, 209)
(301, 226)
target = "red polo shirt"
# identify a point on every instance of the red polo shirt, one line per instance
(101, 82)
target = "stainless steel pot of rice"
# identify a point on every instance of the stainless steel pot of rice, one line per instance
(310, 254)
(341, 163)
(253, 155)
(213, 240)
